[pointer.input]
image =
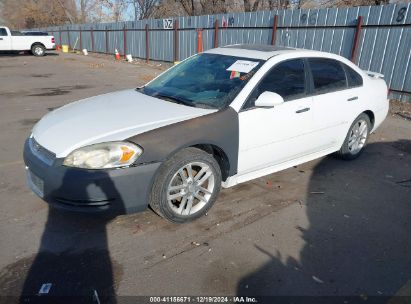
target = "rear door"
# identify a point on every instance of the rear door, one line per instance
(5, 40)
(334, 102)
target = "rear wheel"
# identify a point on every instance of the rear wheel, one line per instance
(38, 50)
(186, 186)
(356, 138)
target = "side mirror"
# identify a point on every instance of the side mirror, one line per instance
(268, 100)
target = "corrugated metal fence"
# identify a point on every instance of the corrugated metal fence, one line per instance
(377, 38)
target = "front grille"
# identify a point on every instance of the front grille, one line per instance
(42, 153)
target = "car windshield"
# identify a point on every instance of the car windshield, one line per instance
(204, 80)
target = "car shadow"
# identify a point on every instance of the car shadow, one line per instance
(24, 54)
(74, 256)
(357, 244)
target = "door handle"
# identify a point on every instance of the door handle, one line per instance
(1, 38)
(352, 98)
(302, 110)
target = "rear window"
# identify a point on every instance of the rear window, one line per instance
(354, 79)
(16, 33)
(3, 32)
(35, 33)
(328, 75)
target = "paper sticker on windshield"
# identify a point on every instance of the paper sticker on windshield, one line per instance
(234, 74)
(243, 66)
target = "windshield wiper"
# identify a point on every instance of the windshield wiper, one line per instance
(204, 105)
(174, 99)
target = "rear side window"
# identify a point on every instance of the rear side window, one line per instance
(286, 79)
(328, 75)
(354, 79)
(3, 32)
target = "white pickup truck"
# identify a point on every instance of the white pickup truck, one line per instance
(17, 41)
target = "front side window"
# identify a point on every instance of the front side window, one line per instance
(328, 75)
(286, 79)
(204, 80)
(3, 32)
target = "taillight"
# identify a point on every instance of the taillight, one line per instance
(52, 40)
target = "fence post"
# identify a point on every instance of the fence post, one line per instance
(68, 37)
(124, 40)
(92, 39)
(106, 41)
(216, 33)
(81, 42)
(274, 33)
(200, 41)
(176, 42)
(147, 46)
(356, 38)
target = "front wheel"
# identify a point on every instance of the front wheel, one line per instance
(38, 50)
(186, 186)
(356, 138)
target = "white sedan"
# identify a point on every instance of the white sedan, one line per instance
(219, 118)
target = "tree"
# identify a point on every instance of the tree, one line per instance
(93, 11)
(168, 8)
(350, 3)
(143, 9)
(251, 5)
(37, 13)
(115, 8)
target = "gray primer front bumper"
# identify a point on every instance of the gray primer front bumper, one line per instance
(124, 190)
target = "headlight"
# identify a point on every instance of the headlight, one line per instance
(104, 155)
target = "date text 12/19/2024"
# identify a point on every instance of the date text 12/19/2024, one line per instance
(203, 299)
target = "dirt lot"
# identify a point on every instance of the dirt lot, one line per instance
(325, 228)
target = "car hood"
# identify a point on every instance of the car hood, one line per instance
(109, 117)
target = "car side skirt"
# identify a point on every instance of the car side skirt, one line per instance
(238, 179)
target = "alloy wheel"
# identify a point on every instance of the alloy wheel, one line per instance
(190, 188)
(358, 136)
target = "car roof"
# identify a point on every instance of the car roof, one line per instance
(260, 51)
(265, 52)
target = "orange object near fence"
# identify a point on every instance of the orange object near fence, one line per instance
(199, 41)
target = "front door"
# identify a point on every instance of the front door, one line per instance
(5, 40)
(270, 136)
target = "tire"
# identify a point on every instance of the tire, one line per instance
(38, 50)
(356, 138)
(174, 190)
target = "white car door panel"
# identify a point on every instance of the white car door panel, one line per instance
(270, 136)
(274, 135)
(335, 110)
(333, 114)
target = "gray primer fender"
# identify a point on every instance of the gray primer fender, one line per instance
(219, 129)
